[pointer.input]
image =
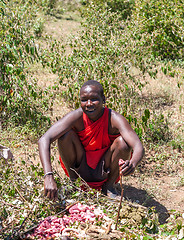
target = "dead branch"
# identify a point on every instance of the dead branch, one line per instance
(11, 205)
(108, 228)
(88, 187)
(19, 193)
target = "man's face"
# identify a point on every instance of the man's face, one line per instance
(91, 102)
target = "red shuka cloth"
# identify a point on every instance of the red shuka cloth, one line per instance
(96, 141)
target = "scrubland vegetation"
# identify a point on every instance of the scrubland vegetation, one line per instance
(135, 49)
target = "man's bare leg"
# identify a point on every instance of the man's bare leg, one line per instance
(118, 150)
(71, 152)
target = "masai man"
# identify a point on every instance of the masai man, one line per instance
(91, 141)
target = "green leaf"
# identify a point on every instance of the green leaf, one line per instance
(32, 50)
(126, 86)
(114, 86)
(135, 121)
(151, 126)
(128, 101)
(113, 75)
(144, 119)
(27, 48)
(164, 70)
(147, 113)
(180, 108)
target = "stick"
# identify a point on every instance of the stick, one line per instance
(81, 178)
(11, 205)
(108, 228)
(119, 202)
(19, 193)
(70, 180)
(66, 209)
(3, 229)
(30, 212)
(17, 231)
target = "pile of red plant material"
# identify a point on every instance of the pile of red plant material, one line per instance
(53, 226)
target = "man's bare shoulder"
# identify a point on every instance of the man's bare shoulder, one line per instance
(74, 119)
(117, 120)
(116, 116)
(75, 114)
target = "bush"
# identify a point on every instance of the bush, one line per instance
(158, 130)
(97, 54)
(122, 7)
(159, 27)
(21, 100)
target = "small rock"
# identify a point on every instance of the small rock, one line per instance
(171, 238)
(181, 234)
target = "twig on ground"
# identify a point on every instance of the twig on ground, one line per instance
(30, 212)
(19, 193)
(11, 205)
(108, 228)
(66, 209)
(17, 231)
(3, 229)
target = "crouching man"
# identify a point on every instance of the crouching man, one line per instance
(91, 141)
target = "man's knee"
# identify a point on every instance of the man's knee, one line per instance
(66, 137)
(121, 145)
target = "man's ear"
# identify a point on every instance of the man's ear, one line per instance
(103, 99)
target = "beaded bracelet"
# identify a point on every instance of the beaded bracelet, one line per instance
(48, 173)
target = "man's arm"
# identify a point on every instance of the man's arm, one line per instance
(127, 167)
(54, 133)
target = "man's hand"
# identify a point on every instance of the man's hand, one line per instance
(126, 167)
(50, 188)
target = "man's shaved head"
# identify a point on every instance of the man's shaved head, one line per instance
(94, 83)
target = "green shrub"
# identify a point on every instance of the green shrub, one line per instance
(38, 26)
(98, 54)
(159, 26)
(21, 100)
(122, 7)
(158, 130)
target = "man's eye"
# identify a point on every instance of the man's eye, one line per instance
(92, 100)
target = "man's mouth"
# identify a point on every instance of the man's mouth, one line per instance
(90, 110)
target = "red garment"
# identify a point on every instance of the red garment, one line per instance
(96, 141)
(95, 138)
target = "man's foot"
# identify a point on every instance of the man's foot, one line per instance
(111, 192)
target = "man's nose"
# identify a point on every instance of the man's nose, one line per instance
(89, 102)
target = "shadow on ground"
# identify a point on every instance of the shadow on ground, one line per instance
(143, 198)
